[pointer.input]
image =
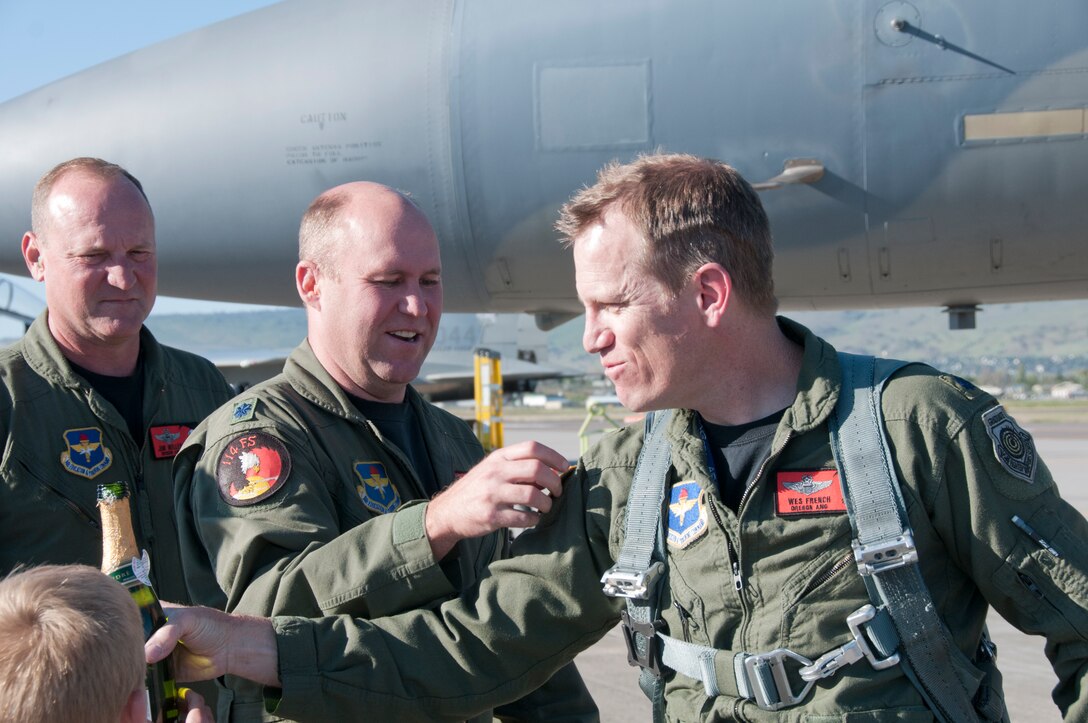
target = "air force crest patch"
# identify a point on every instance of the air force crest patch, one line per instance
(376, 491)
(87, 454)
(687, 514)
(1014, 447)
(252, 468)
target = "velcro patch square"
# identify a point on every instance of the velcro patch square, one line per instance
(815, 492)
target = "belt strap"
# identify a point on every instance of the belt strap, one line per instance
(765, 678)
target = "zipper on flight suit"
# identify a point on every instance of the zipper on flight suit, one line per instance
(730, 551)
(840, 565)
(1030, 585)
(685, 620)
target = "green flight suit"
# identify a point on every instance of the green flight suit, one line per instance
(62, 439)
(341, 529)
(795, 580)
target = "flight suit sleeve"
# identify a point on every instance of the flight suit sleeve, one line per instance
(283, 551)
(529, 615)
(1033, 572)
(564, 698)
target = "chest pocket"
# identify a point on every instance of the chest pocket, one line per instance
(47, 482)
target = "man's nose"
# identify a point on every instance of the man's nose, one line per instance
(121, 274)
(596, 336)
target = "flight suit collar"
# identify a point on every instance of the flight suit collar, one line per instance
(818, 383)
(313, 382)
(818, 387)
(45, 357)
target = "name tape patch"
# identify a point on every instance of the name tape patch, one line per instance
(167, 439)
(815, 492)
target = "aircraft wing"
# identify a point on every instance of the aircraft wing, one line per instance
(932, 152)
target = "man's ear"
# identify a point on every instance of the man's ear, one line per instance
(306, 282)
(135, 710)
(715, 288)
(32, 255)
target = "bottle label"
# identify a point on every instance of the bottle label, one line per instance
(141, 568)
(138, 569)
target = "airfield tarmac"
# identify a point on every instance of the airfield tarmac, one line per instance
(1027, 673)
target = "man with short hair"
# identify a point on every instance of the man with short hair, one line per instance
(307, 495)
(88, 394)
(762, 599)
(71, 648)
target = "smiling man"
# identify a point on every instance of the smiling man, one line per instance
(88, 395)
(305, 495)
(727, 523)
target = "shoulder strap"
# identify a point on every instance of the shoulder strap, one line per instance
(883, 543)
(641, 561)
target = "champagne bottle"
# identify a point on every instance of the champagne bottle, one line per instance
(121, 560)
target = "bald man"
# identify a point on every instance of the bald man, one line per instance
(308, 494)
(88, 395)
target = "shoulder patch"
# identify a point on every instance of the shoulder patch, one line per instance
(815, 492)
(252, 468)
(167, 439)
(376, 491)
(243, 410)
(687, 514)
(1013, 447)
(964, 387)
(86, 454)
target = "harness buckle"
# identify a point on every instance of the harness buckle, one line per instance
(768, 682)
(636, 584)
(875, 558)
(651, 661)
(831, 662)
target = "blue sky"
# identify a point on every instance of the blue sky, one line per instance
(47, 40)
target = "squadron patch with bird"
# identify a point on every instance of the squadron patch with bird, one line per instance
(252, 468)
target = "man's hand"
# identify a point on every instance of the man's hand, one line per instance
(208, 643)
(484, 500)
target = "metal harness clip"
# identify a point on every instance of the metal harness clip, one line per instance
(651, 660)
(629, 583)
(768, 682)
(829, 663)
(876, 558)
(766, 678)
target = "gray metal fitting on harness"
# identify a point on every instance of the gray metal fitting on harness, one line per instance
(628, 583)
(875, 558)
(829, 663)
(763, 677)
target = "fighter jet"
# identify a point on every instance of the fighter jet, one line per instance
(930, 152)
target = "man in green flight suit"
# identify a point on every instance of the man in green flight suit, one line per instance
(303, 495)
(673, 264)
(88, 395)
